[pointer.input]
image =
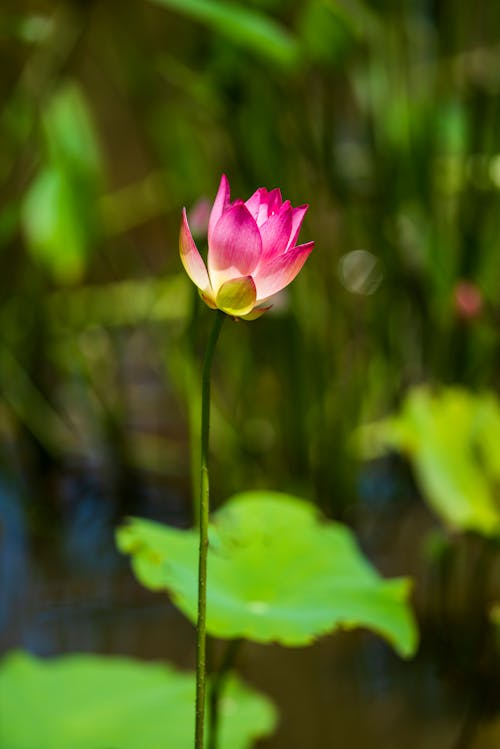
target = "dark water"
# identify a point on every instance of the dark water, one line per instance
(66, 589)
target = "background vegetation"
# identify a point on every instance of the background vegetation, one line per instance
(385, 118)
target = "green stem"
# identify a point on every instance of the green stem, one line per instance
(201, 637)
(194, 403)
(217, 687)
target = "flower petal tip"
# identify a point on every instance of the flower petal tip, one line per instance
(221, 202)
(256, 312)
(190, 257)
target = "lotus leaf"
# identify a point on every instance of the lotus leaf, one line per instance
(96, 702)
(276, 572)
(451, 438)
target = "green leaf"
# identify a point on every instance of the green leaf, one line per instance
(60, 211)
(451, 439)
(69, 131)
(242, 25)
(54, 226)
(275, 573)
(96, 702)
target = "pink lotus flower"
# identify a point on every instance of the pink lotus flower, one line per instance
(251, 251)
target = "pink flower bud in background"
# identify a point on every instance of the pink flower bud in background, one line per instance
(199, 216)
(252, 251)
(468, 300)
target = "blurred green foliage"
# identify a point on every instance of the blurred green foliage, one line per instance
(244, 26)
(89, 701)
(452, 440)
(59, 210)
(383, 118)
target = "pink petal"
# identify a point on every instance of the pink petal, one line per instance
(262, 214)
(235, 246)
(263, 203)
(191, 258)
(275, 233)
(297, 218)
(254, 201)
(221, 202)
(280, 271)
(274, 201)
(270, 203)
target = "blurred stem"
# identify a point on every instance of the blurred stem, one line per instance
(216, 689)
(201, 637)
(194, 406)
